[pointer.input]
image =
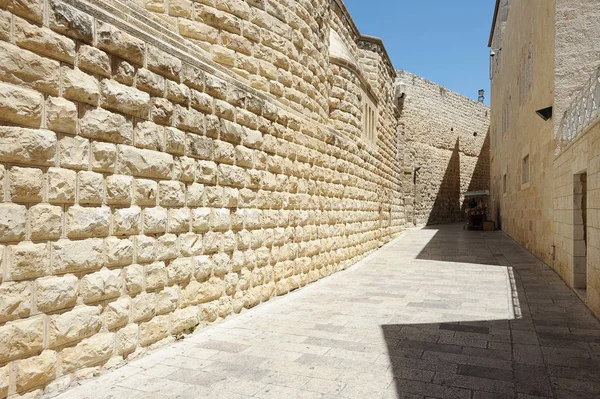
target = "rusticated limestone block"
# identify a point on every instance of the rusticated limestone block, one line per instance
(119, 252)
(28, 261)
(26, 184)
(123, 71)
(79, 86)
(13, 219)
(171, 193)
(209, 312)
(163, 63)
(93, 60)
(61, 115)
(203, 267)
(74, 325)
(37, 147)
(148, 135)
(190, 244)
(104, 125)
(145, 192)
(144, 163)
(177, 92)
(125, 99)
(184, 169)
(150, 82)
(126, 221)
(5, 30)
(184, 319)
(179, 220)
(118, 189)
(198, 31)
(145, 249)
(221, 264)
(91, 187)
(127, 339)
(179, 270)
(120, 43)
(25, 68)
(72, 256)
(161, 111)
(207, 172)
(45, 222)
(155, 220)
(116, 313)
(154, 330)
(74, 152)
(20, 105)
(104, 156)
(167, 300)
(44, 41)
(88, 352)
(20, 338)
(54, 293)
(143, 307)
(195, 194)
(200, 147)
(134, 279)
(30, 9)
(4, 381)
(68, 20)
(15, 301)
(101, 285)
(156, 276)
(61, 186)
(174, 140)
(36, 370)
(87, 222)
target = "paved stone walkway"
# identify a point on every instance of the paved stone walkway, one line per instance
(438, 313)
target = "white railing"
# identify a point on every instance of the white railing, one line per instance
(583, 111)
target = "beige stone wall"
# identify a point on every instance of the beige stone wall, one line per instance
(523, 82)
(146, 190)
(446, 135)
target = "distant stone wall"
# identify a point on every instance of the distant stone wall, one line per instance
(446, 136)
(146, 189)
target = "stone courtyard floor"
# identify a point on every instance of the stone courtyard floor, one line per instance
(440, 313)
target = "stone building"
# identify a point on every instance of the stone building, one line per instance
(545, 147)
(167, 163)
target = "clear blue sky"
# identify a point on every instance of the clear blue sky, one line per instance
(443, 41)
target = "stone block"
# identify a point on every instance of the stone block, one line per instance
(35, 371)
(206, 172)
(195, 194)
(103, 125)
(45, 222)
(200, 219)
(148, 135)
(167, 300)
(127, 339)
(30, 9)
(74, 152)
(21, 338)
(177, 92)
(25, 68)
(79, 86)
(134, 279)
(156, 276)
(26, 184)
(198, 31)
(184, 319)
(123, 71)
(124, 99)
(15, 300)
(13, 221)
(179, 270)
(104, 156)
(166, 247)
(221, 264)
(28, 260)
(69, 21)
(171, 193)
(224, 152)
(79, 323)
(116, 313)
(163, 63)
(88, 352)
(61, 115)
(155, 220)
(200, 147)
(5, 22)
(144, 163)
(87, 222)
(220, 219)
(43, 41)
(154, 330)
(94, 60)
(118, 189)
(55, 293)
(145, 249)
(145, 192)
(20, 105)
(80, 255)
(117, 42)
(126, 221)
(101, 285)
(179, 220)
(143, 307)
(190, 244)
(34, 147)
(150, 82)
(203, 267)
(119, 252)
(4, 381)
(61, 186)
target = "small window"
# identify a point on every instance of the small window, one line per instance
(505, 121)
(525, 170)
(369, 120)
(504, 183)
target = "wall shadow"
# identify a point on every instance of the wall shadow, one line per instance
(446, 207)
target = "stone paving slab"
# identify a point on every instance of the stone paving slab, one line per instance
(414, 320)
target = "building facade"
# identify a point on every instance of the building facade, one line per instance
(544, 149)
(167, 163)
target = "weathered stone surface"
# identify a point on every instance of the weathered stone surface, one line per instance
(91, 187)
(116, 313)
(93, 60)
(25, 68)
(143, 307)
(68, 20)
(61, 185)
(88, 352)
(155, 220)
(154, 330)
(127, 339)
(74, 325)
(4, 381)
(87, 222)
(61, 115)
(101, 285)
(148, 135)
(126, 221)
(167, 300)
(15, 300)
(28, 260)
(145, 192)
(104, 125)
(125, 99)
(104, 157)
(134, 278)
(54, 293)
(43, 41)
(171, 193)
(45, 222)
(163, 63)
(26, 184)
(21, 106)
(156, 276)
(184, 319)
(71, 256)
(119, 189)
(37, 147)
(13, 219)
(143, 163)
(30, 9)
(20, 338)
(74, 152)
(36, 370)
(79, 86)
(120, 43)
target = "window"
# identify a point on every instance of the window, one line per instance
(504, 184)
(525, 170)
(369, 120)
(505, 119)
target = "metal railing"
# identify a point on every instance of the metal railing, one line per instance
(583, 111)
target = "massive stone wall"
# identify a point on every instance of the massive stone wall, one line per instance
(446, 136)
(145, 189)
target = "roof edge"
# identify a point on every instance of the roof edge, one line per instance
(494, 23)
